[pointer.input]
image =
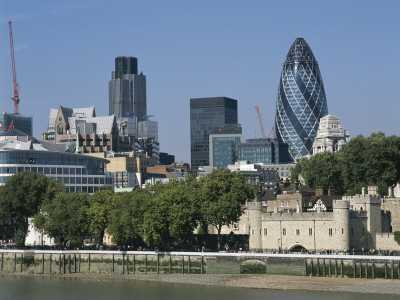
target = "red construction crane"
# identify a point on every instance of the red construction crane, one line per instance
(261, 123)
(16, 85)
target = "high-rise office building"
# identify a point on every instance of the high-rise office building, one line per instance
(301, 100)
(223, 145)
(127, 90)
(207, 114)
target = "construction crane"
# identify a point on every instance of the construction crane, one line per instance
(272, 132)
(16, 85)
(261, 123)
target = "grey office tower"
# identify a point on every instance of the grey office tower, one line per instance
(207, 114)
(127, 89)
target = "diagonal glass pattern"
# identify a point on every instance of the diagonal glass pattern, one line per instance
(301, 100)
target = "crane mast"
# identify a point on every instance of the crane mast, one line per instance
(15, 99)
(261, 123)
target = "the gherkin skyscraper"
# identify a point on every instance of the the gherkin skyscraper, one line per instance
(301, 100)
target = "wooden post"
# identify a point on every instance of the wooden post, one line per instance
(69, 263)
(336, 268)
(22, 261)
(15, 261)
(366, 269)
(323, 267)
(112, 265)
(89, 262)
(305, 265)
(145, 263)
(127, 263)
(79, 267)
(312, 267)
(330, 268)
(392, 269)
(373, 270)
(43, 263)
(386, 270)
(189, 264)
(183, 264)
(74, 263)
(202, 264)
(170, 264)
(59, 263)
(63, 263)
(158, 264)
(51, 260)
(360, 269)
(341, 267)
(2, 261)
(354, 268)
(123, 264)
(398, 269)
(134, 263)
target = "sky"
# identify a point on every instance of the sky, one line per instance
(65, 52)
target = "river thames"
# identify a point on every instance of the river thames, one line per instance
(39, 287)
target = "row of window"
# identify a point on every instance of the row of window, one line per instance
(75, 180)
(310, 231)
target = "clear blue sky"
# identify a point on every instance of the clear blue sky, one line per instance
(65, 51)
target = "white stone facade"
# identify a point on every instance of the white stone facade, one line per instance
(330, 135)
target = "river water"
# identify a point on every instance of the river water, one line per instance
(60, 288)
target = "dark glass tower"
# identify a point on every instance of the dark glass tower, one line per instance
(127, 90)
(301, 100)
(207, 114)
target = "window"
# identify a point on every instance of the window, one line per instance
(288, 203)
(330, 231)
(235, 226)
(252, 232)
(284, 231)
(281, 203)
(297, 231)
(342, 230)
(265, 231)
(352, 231)
(309, 231)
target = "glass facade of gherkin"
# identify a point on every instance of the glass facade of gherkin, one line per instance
(301, 100)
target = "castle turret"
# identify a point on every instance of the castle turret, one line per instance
(373, 207)
(342, 218)
(255, 225)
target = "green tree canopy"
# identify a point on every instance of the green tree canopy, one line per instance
(101, 204)
(22, 195)
(65, 217)
(374, 160)
(221, 195)
(126, 216)
(170, 215)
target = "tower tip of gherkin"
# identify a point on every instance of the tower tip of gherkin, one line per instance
(300, 51)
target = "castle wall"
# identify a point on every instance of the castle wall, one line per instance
(385, 241)
(391, 210)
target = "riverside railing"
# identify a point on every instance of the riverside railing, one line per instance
(149, 262)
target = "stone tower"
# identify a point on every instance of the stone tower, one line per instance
(341, 215)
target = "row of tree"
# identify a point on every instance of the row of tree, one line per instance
(160, 215)
(363, 161)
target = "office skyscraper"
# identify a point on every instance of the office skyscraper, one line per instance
(127, 90)
(301, 100)
(207, 114)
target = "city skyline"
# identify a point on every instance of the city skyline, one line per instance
(65, 51)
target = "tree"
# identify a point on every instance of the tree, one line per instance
(65, 217)
(101, 203)
(320, 170)
(222, 194)
(22, 196)
(126, 217)
(170, 215)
